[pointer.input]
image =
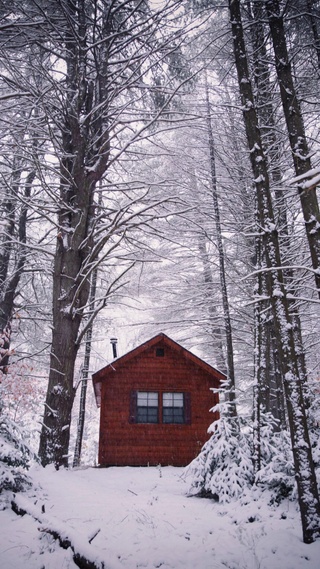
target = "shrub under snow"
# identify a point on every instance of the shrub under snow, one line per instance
(277, 471)
(224, 467)
(15, 457)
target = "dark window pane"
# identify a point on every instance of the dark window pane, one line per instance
(152, 414)
(147, 415)
(178, 415)
(160, 352)
(173, 415)
(167, 415)
(142, 414)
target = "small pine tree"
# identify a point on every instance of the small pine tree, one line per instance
(15, 457)
(277, 472)
(224, 467)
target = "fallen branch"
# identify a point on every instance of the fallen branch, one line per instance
(91, 538)
(67, 537)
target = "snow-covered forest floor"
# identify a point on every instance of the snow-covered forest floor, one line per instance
(143, 518)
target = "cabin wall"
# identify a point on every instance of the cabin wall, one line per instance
(123, 443)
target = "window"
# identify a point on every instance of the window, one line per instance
(173, 408)
(147, 407)
(160, 352)
(170, 408)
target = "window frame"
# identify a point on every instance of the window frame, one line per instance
(173, 414)
(148, 410)
(133, 415)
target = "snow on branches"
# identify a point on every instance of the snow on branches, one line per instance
(224, 467)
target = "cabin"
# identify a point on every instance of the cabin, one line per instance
(155, 405)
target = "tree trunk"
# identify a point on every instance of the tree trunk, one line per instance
(296, 133)
(216, 331)
(260, 359)
(304, 468)
(272, 149)
(85, 374)
(313, 17)
(230, 388)
(91, 108)
(271, 389)
(71, 274)
(70, 296)
(17, 232)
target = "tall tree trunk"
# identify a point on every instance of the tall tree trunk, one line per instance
(85, 375)
(304, 468)
(260, 358)
(313, 17)
(216, 331)
(230, 388)
(296, 133)
(91, 108)
(70, 296)
(272, 148)
(82, 140)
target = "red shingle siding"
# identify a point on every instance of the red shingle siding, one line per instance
(125, 443)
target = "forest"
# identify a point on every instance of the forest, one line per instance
(160, 172)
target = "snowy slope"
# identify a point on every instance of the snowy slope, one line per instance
(145, 520)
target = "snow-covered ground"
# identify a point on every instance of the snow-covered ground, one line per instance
(142, 518)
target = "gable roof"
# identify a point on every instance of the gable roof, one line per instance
(136, 352)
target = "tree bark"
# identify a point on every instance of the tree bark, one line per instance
(304, 468)
(17, 231)
(230, 387)
(82, 141)
(98, 69)
(272, 149)
(296, 133)
(313, 16)
(216, 330)
(272, 384)
(85, 374)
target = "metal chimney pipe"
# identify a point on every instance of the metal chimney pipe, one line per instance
(113, 342)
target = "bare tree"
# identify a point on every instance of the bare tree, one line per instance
(95, 113)
(16, 178)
